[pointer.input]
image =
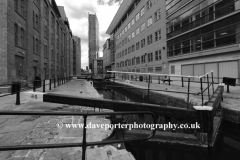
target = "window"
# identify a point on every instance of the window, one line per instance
(143, 43)
(133, 34)
(137, 31)
(142, 11)
(45, 51)
(16, 5)
(34, 44)
(137, 45)
(120, 35)
(142, 27)
(129, 25)
(129, 37)
(137, 16)
(123, 42)
(122, 32)
(45, 10)
(22, 38)
(126, 40)
(150, 69)
(129, 62)
(22, 8)
(149, 39)
(36, 21)
(133, 48)
(158, 35)
(138, 60)
(129, 50)
(158, 69)
(126, 63)
(143, 58)
(133, 61)
(149, 21)
(157, 15)
(132, 21)
(37, 49)
(125, 29)
(125, 51)
(16, 34)
(172, 69)
(150, 57)
(149, 5)
(158, 55)
(46, 31)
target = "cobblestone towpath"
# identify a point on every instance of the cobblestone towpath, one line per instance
(22, 130)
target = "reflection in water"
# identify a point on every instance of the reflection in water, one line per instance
(227, 148)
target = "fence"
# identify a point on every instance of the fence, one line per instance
(149, 77)
(84, 144)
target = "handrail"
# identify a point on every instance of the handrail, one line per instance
(84, 144)
(155, 74)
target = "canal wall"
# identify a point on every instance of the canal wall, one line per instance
(154, 96)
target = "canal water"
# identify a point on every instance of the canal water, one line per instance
(227, 148)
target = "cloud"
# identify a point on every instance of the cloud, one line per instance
(77, 13)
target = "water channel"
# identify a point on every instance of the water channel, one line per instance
(227, 148)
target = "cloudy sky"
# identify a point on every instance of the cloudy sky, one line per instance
(77, 13)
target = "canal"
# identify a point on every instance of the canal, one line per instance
(227, 148)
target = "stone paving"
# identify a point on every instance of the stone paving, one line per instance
(31, 130)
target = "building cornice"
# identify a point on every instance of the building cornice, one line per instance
(118, 16)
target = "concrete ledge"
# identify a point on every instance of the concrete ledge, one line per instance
(6, 89)
(230, 113)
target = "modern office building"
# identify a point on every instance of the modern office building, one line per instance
(178, 37)
(76, 55)
(93, 36)
(98, 66)
(36, 41)
(139, 31)
(204, 35)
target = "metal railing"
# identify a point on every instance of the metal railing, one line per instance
(84, 144)
(149, 77)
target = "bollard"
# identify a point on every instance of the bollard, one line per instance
(18, 86)
(182, 82)
(34, 86)
(43, 86)
(50, 84)
(54, 81)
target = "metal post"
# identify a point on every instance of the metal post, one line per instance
(151, 79)
(113, 79)
(201, 89)
(228, 86)
(84, 138)
(34, 86)
(54, 81)
(44, 86)
(188, 92)
(158, 80)
(182, 82)
(148, 86)
(212, 83)
(208, 88)
(50, 84)
(18, 93)
(169, 80)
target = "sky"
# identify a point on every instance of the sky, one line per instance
(77, 13)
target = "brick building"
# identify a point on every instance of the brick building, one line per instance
(36, 41)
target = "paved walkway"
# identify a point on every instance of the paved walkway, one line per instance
(20, 130)
(230, 104)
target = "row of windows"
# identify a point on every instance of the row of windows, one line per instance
(144, 70)
(137, 46)
(149, 56)
(148, 5)
(218, 34)
(200, 14)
